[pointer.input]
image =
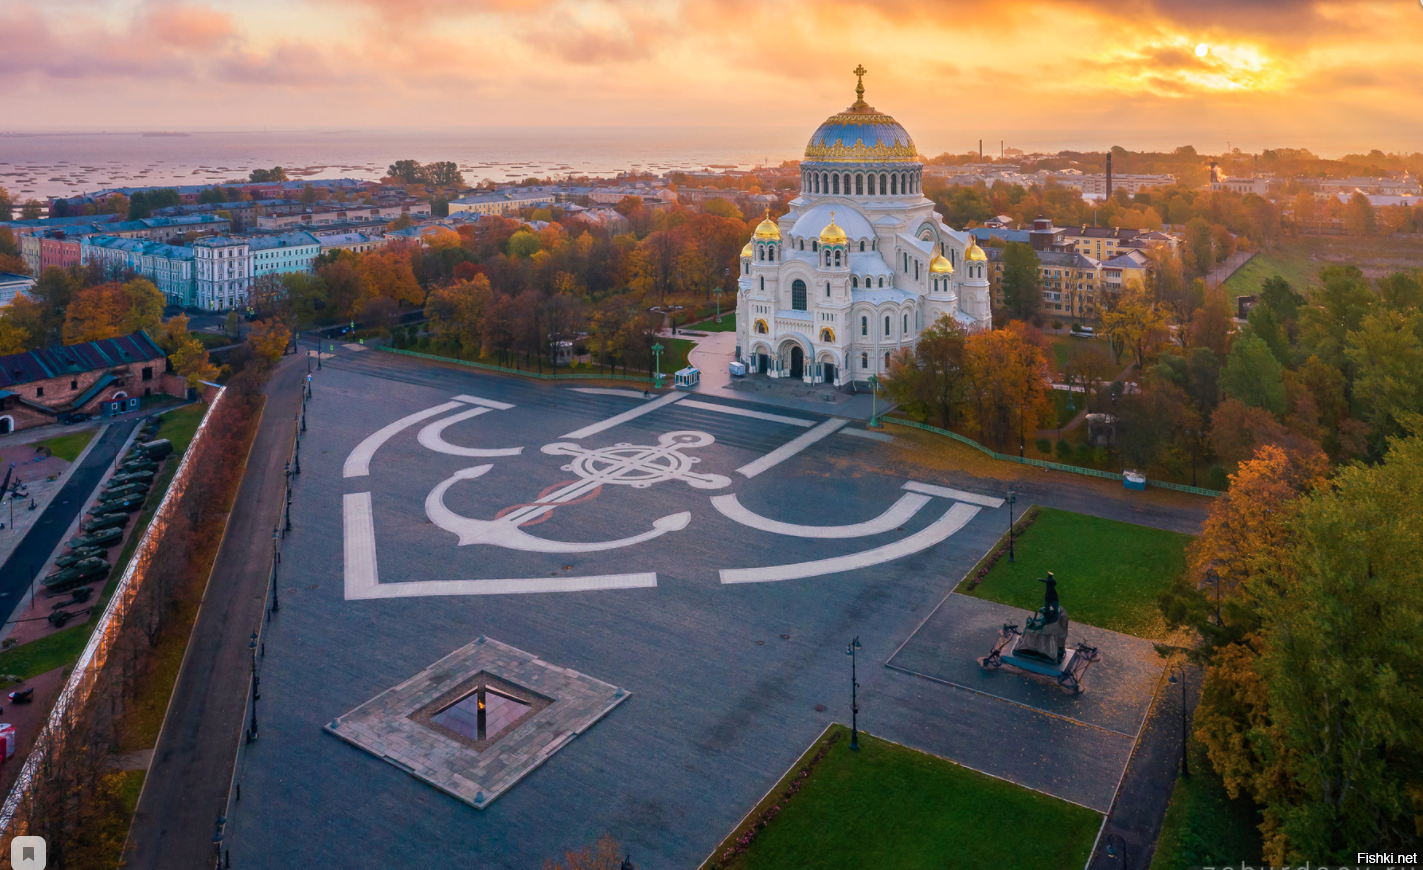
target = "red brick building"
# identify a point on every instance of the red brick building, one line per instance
(97, 377)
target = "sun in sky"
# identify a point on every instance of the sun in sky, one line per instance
(1202, 49)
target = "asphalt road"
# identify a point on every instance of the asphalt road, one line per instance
(187, 783)
(729, 682)
(42, 538)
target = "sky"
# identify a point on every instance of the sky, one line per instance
(1330, 76)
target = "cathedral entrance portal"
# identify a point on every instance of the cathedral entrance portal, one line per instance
(829, 371)
(797, 362)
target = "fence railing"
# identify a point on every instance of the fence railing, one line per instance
(572, 376)
(1043, 463)
(90, 665)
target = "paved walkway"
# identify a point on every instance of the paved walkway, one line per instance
(39, 543)
(1145, 791)
(187, 784)
(1232, 264)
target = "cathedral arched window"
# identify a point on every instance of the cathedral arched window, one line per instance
(859, 183)
(802, 244)
(746, 269)
(854, 282)
(827, 257)
(864, 326)
(881, 280)
(862, 246)
(886, 327)
(894, 184)
(906, 324)
(835, 183)
(814, 246)
(870, 184)
(760, 253)
(847, 184)
(864, 360)
(827, 289)
(886, 360)
(883, 184)
(837, 258)
(798, 295)
(763, 283)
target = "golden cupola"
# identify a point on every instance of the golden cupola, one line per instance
(768, 231)
(832, 234)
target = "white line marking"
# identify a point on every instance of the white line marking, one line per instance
(488, 403)
(742, 412)
(363, 582)
(595, 428)
(865, 433)
(608, 391)
(432, 438)
(955, 519)
(353, 346)
(358, 464)
(360, 544)
(508, 586)
(792, 447)
(899, 513)
(955, 494)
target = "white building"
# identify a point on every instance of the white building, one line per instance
(288, 252)
(861, 263)
(222, 269)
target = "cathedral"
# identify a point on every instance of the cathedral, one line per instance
(859, 265)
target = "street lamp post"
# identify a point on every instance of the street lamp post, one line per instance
(252, 729)
(657, 349)
(874, 402)
(1012, 499)
(1185, 747)
(717, 291)
(854, 695)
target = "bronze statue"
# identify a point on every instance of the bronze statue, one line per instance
(1045, 635)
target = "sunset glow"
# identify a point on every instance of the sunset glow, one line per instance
(1270, 72)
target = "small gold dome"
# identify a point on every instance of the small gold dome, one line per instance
(746, 251)
(832, 234)
(768, 230)
(941, 264)
(974, 252)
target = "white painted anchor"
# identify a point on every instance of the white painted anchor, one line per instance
(638, 466)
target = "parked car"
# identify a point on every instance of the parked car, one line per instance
(129, 466)
(98, 539)
(75, 417)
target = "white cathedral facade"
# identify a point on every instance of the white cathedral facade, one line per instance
(859, 265)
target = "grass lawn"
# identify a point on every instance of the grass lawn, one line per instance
(728, 324)
(1291, 260)
(890, 806)
(68, 447)
(178, 426)
(1062, 346)
(1204, 826)
(1109, 573)
(674, 358)
(1059, 402)
(47, 653)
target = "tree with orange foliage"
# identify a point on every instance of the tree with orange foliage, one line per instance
(456, 312)
(1006, 385)
(389, 273)
(191, 362)
(269, 339)
(95, 313)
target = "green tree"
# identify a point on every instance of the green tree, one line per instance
(1337, 307)
(933, 375)
(1359, 217)
(1401, 291)
(32, 210)
(1253, 375)
(1387, 356)
(7, 205)
(442, 173)
(1341, 666)
(1266, 326)
(408, 171)
(1277, 293)
(1022, 293)
(145, 310)
(268, 176)
(1200, 246)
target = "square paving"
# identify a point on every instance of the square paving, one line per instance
(728, 681)
(390, 726)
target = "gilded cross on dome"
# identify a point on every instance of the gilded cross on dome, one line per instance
(859, 72)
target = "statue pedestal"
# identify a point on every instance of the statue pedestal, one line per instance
(1067, 674)
(1035, 665)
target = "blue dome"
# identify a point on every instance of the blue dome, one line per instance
(859, 135)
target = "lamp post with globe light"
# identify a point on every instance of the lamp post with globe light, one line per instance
(854, 695)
